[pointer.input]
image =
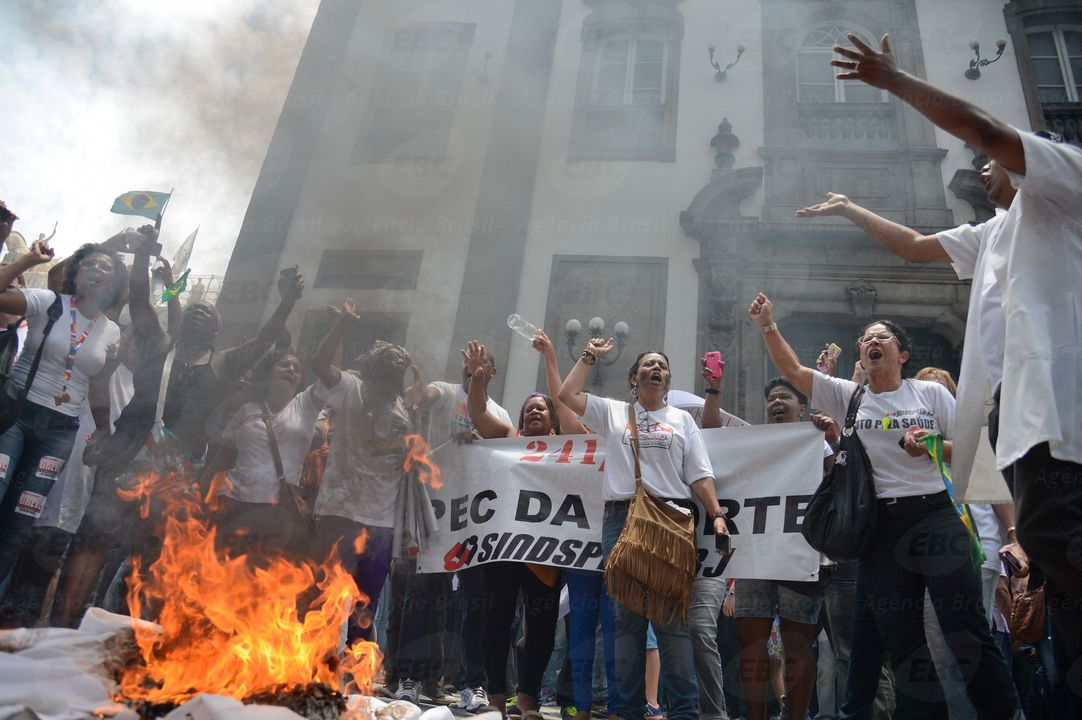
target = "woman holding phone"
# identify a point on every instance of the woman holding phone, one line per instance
(674, 465)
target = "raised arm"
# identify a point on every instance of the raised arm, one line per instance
(572, 390)
(960, 118)
(174, 312)
(144, 319)
(487, 424)
(712, 407)
(761, 311)
(898, 239)
(331, 348)
(569, 422)
(12, 301)
(233, 363)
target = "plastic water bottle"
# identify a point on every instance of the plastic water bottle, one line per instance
(522, 326)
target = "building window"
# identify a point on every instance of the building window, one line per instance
(626, 104)
(630, 71)
(369, 269)
(410, 108)
(1056, 56)
(815, 75)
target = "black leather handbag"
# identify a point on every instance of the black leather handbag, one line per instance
(12, 396)
(841, 517)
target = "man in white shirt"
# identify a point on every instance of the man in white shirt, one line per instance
(1024, 331)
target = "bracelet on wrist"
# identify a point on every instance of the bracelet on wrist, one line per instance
(588, 357)
(712, 391)
(772, 327)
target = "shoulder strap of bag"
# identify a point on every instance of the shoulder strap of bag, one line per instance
(634, 441)
(851, 413)
(54, 313)
(267, 419)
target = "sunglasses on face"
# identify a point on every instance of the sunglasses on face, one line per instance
(97, 264)
(881, 337)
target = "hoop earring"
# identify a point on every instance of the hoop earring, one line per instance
(635, 392)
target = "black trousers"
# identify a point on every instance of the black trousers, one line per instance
(418, 635)
(1048, 519)
(920, 543)
(503, 580)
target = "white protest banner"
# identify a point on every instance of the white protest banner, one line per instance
(530, 499)
(765, 475)
(539, 500)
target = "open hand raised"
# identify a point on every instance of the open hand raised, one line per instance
(877, 69)
(835, 204)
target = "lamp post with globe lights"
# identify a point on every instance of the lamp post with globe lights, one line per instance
(596, 326)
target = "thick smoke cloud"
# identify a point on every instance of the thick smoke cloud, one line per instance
(104, 97)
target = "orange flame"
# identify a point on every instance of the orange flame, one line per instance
(417, 457)
(235, 626)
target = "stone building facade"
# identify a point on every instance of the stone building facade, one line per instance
(449, 163)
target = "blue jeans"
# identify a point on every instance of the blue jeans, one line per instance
(588, 599)
(674, 644)
(33, 452)
(706, 599)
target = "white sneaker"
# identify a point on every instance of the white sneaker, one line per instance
(407, 690)
(473, 699)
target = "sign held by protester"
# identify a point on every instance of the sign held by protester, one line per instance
(538, 500)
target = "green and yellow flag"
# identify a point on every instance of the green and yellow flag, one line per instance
(934, 443)
(175, 289)
(141, 202)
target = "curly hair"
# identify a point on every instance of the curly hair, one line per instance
(383, 357)
(120, 271)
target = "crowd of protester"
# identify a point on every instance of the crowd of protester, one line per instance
(914, 630)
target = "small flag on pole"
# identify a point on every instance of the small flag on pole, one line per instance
(175, 289)
(141, 202)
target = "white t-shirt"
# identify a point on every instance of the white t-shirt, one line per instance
(1040, 270)
(364, 463)
(253, 477)
(672, 454)
(916, 403)
(984, 517)
(967, 245)
(89, 358)
(450, 414)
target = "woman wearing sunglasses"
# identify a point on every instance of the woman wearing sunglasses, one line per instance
(920, 542)
(35, 449)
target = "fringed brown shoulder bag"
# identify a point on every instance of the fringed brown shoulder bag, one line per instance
(652, 566)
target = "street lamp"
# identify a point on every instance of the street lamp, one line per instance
(596, 326)
(975, 65)
(721, 74)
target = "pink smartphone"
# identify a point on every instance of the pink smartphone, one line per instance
(713, 364)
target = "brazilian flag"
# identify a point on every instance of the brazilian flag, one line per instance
(141, 202)
(176, 288)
